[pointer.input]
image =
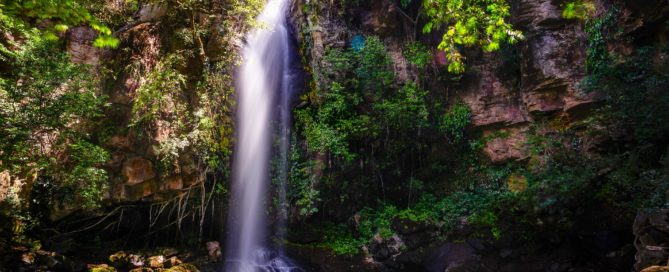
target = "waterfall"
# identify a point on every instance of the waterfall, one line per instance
(263, 87)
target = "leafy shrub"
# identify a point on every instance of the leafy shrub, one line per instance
(335, 119)
(161, 85)
(407, 109)
(377, 222)
(48, 108)
(373, 68)
(302, 183)
(469, 23)
(578, 10)
(49, 105)
(330, 126)
(445, 212)
(63, 13)
(340, 240)
(599, 31)
(86, 174)
(455, 121)
(418, 54)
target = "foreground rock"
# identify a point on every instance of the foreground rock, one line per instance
(652, 240)
(23, 258)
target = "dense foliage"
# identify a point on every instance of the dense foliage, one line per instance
(363, 117)
(462, 24)
(469, 23)
(48, 106)
(578, 10)
(550, 194)
(57, 122)
(58, 16)
(372, 152)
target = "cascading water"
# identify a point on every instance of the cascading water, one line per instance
(264, 80)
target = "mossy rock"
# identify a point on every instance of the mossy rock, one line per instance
(142, 269)
(183, 268)
(102, 268)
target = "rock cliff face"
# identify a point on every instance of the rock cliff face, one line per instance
(533, 85)
(509, 93)
(652, 239)
(533, 82)
(138, 170)
(133, 174)
(159, 146)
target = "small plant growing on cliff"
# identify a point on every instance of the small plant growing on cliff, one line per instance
(418, 54)
(469, 23)
(373, 70)
(87, 174)
(580, 10)
(456, 120)
(163, 83)
(407, 109)
(302, 185)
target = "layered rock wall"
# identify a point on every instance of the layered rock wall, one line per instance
(528, 84)
(531, 87)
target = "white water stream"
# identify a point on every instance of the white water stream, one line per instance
(263, 85)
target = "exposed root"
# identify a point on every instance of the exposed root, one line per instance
(169, 216)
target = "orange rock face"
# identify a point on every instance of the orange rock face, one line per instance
(137, 170)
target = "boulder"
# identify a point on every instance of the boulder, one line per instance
(120, 142)
(28, 258)
(174, 261)
(214, 250)
(136, 260)
(119, 258)
(50, 259)
(184, 268)
(383, 249)
(142, 269)
(652, 239)
(552, 64)
(139, 191)
(156, 261)
(656, 268)
(537, 14)
(101, 268)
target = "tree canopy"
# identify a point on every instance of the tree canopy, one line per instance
(54, 17)
(469, 23)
